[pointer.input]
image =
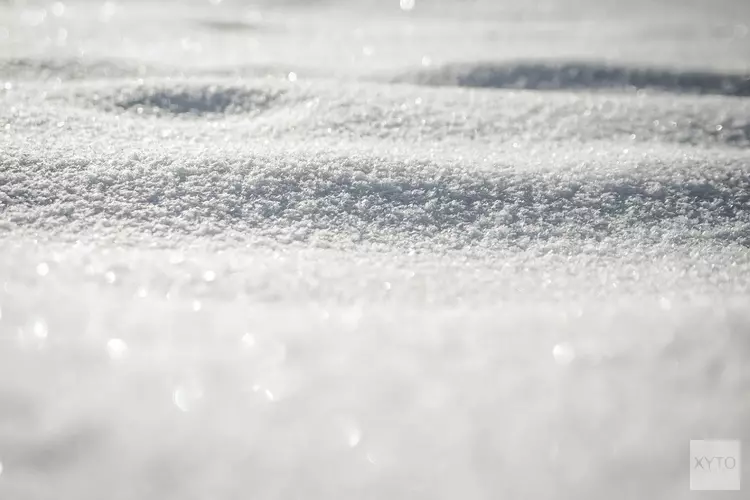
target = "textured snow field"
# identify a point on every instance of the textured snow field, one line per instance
(374, 249)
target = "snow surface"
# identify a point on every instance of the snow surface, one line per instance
(468, 249)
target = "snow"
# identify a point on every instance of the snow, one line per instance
(371, 249)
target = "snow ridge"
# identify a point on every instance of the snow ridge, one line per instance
(579, 76)
(368, 198)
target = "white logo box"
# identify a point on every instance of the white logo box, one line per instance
(715, 465)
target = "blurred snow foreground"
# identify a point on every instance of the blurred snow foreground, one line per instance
(416, 249)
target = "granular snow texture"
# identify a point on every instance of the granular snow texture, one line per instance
(405, 250)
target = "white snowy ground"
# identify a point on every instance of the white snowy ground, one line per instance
(345, 250)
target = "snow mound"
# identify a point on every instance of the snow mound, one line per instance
(578, 75)
(232, 25)
(197, 99)
(366, 198)
(40, 69)
(272, 109)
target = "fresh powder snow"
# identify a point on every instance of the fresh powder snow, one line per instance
(415, 249)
